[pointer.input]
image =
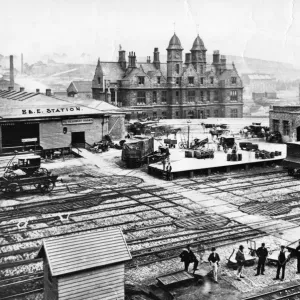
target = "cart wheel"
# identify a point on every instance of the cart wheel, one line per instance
(181, 145)
(47, 186)
(12, 187)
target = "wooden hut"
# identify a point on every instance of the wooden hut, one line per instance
(85, 266)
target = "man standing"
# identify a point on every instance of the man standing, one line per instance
(240, 258)
(298, 258)
(187, 256)
(262, 254)
(282, 259)
(214, 260)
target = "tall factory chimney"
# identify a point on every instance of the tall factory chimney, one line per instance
(22, 63)
(12, 78)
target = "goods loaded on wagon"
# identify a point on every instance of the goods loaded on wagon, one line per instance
(27, 171)
(256, 130)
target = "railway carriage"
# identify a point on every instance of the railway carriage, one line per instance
(292, 161)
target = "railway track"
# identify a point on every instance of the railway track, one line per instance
(287, 293)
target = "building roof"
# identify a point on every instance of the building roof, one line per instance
(112, 71)
(174, 43)
(15, 105)
(82, 86)
(198, 44)
(78, 252)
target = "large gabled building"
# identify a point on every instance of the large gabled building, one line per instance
(176, 89)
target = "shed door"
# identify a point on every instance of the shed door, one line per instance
(78, 139)
(298, 134)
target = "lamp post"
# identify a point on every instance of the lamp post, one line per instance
(188, 141)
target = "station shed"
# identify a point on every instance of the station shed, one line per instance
(85, 266)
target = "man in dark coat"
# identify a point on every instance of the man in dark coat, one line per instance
(262, 254)
(214, 260)
(282, 259)
(187, 256)
(240, 259)
(298, 258)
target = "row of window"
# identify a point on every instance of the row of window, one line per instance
(191, 97)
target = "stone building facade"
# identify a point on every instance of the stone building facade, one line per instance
(176, 89)
(286, 120)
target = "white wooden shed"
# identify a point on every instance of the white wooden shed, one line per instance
(85, 266)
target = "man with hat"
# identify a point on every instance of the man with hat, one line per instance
(187, 256)
(240, 259)
(282, 259)
(262, 254)
(214, 260)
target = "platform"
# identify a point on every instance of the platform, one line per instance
(191, 165)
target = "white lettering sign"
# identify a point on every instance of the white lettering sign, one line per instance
(77, 121)
(29, 140)
(50, 110)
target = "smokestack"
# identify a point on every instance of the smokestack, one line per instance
(156, 61)
(22, 89)
(12, 78)
(187, 58)
(216, 57)
(37, 91)
(48, 92)
(22, 63)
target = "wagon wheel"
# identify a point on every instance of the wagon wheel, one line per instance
(46, 186)
(147, 132)
(12, 188)
(181, 145)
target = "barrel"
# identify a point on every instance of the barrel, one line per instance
(276, 153)
(197, 154)
(188, 153)
(233, 151)
(257, 155)
(279, 153)
(263, 155)
(267, 154)
(234, 157)
(228, 157)
(272, 154)
(239, 156)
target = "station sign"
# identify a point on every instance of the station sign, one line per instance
(51, 110)
(29, 140)
(77, 121)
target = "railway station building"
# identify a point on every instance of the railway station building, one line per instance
(180, 88)
(46, 122)
(286, 120)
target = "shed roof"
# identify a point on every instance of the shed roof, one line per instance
(82, 86)
(78, 252)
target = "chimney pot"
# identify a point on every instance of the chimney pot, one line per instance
(48, 92)
(22, 89)
(37, 91)
(11, 67)
(10, 88)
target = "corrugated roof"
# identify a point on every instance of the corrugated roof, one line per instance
(78, 252)
(82, 86)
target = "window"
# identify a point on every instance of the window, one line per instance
(216, 96)
(201, 69)
(275, 125)
(177, 113)
(177, 68)
(233, 80)
(191, 80)
(154, 114)
(164, 97)
(233, 95)
(164, 113)
(178, 80)
(201, 96)
(158, 80)
(191, 96)
(201, 114)
(234, 113)
(141, 79)
(208, 96)
(202, 80)
(177, 96)
(99, 80)
(141, 98)
(211, 80)
(154, 97)
(286, 128)
(208, 113)
(113, 96)
(216, 113)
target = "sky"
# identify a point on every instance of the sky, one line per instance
(263, 29)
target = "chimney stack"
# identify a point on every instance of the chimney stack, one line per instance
(48, 92)
(187, 58)
(148, 60)
(223, 62)
(132, 60)
(10, 88)
(122, 58)
(156, 61)
(22, 89)
(216, 57)
(12, 78)
(22, 63)
(37, 91)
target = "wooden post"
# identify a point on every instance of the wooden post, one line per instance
(208, 172)
(191, 174)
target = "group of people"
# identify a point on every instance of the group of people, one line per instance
(187, 257)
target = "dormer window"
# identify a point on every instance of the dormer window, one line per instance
(158, 80)
(233, 80)
(141, 79)
(211, 80)
(191, 80)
